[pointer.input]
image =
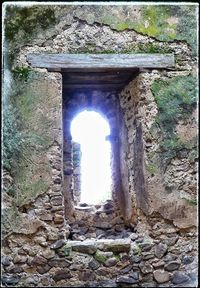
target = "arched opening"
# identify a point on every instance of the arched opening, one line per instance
(90, 130)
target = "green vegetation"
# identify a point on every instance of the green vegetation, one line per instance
(21, 73)
(26, 21)
(192, 202)
(151, 168)
(27, 134)
(176, 99)
(100, 257)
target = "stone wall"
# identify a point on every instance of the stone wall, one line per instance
(168, 260)
(174, 206)
(146, 235)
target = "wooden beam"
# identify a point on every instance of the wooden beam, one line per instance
(103, 87)
(100, 61)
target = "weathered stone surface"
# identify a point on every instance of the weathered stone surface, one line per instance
(147, 255)
(62, 274)
(85, 247)
(38, 260)
(13, 269)
(6, 260)
(102, 256)
(173, 265)
(106, 283)
(145, 268)
(58, 244)
(10, 280)
(160, 250)
(126, 280)
(48, 254)
(158, 264)
(161, 276)
(135, 259)
(180, 277)
(58, 219)
(185, 259)
(117, 246)
(103, 225)
(56, 201)
(19, 259)
(110, 262)
(63, 263)
(43, 269)
(93, 264)
(87, 275)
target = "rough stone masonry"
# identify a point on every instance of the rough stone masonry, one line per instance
(146, 236)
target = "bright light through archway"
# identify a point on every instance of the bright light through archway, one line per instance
(90, 129)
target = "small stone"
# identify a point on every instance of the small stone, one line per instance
(58, 244)
(38, 260)
(43, 269)
(40, 240)
(135, 275)
(103, 225)
(119, 228)
(173, 265)
(169, 257)
(48, 254)
(56, 201)
(10, 280)
(13, 269)
(6, 260)
(110, 262)
(126, 280)
(158, 264)
(161, 276)
(133, 236)
(93, 264)
(106, 283)
(19, 259)
(171, 241)
(46, 216)
(58, 219)
(87, 276)
(62, 263)
(147, 255)
(160, 250)
(145, 268)
(179, 277)
(135, 259)
(62, 274)
(185, 259)
(126, 269)
(146, 246)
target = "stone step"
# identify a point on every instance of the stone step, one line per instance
(91, 246)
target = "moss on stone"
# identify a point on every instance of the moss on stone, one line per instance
(163, 22)
(176, 100)
(33, 100)
(100, 257)
(151, 168)
(26, 20)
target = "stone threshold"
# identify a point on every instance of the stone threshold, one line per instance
(90, 246)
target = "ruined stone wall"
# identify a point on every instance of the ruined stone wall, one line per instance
(163, 166)
(40, 246)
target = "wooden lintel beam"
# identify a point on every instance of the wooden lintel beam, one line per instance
(100, 61)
